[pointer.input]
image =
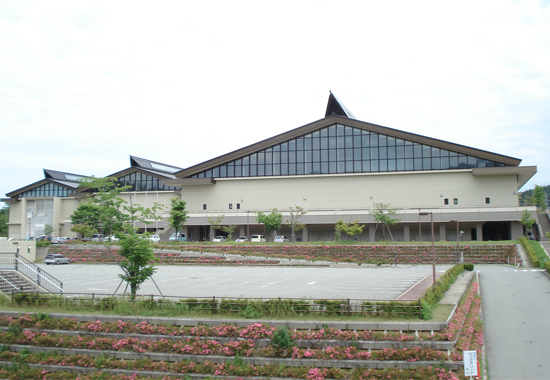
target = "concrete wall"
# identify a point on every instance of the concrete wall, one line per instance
(27, 249)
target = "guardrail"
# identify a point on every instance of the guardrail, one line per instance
(16, 262)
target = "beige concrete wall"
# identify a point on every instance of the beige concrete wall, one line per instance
(403, 190)
(27, 249)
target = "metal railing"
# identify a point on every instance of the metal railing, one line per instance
(231, 305)
(16, 262)
(8, 282)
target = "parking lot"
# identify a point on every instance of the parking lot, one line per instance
(381, 283)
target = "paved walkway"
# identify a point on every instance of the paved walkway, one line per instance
(516, 305)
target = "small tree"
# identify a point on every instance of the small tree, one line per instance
(539, 197)
(215, 222)
(138, 265)
(4, 219)
(229, 230)
(178, 214)
(85, 230)
(350, 229)
(383, 214)
(48, 230)
(272, 222)
(87, 213)
(295, 214)
(527, 220)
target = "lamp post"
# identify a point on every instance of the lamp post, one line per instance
(433, 241)
(419, 228)
(457, 239)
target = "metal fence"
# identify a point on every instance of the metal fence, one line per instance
(240, 306)
(16, 262)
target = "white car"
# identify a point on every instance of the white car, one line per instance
(111, 238)
(219, 239)
(280, 239)
(241, 239)
(154, 238)
(56, 259)
(257, 239)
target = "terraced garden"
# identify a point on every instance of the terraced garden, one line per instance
(39, 346)
(272, 255)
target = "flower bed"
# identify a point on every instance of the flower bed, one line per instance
(367, 254)
(111, 255)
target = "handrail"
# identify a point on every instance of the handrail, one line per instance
(41, 275)
(31, 271)
(9, 282)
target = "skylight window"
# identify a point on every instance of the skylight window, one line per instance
(164, 168)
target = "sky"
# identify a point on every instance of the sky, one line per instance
(84, 85)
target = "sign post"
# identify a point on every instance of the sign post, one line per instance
(470, 363)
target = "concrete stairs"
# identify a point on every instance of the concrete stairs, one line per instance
(12, 281)
(544, 224)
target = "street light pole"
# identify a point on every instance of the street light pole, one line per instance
(458, 234)
(433, 241)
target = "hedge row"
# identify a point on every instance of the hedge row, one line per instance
(530, 252)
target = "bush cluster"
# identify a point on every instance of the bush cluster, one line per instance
(435, 293)
(530, 252)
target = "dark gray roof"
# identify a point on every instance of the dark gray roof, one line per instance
(336, 107)
(153, 166)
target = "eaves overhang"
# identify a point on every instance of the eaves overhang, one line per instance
(523, 173)
(180, 182)
(335, 119)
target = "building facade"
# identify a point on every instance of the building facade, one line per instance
(334, 168)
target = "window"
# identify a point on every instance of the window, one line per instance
(204, 206)
(487, 200)
(231, 206)
(455, 201)
(446, 201)
(238, 206)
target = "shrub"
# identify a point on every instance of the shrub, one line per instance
(425, 311)
(469, 267)
(282, 339)
(547, 266)
(530, 252)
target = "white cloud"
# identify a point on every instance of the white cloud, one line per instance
(84, 85)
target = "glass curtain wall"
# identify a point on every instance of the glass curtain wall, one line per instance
(342, 149)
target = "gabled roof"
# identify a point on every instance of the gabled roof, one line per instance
(336, 107)
(67, 180)
(154, 166)
(342, 120)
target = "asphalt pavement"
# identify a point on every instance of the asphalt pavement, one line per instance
(378, 283)
(516, 306)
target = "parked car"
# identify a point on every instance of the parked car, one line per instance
(98, 237)
(241, 239)
(180, 236)
(257, 239)
(219, 239)
(56, 259)
(280, 239)
(59, 240)
(154, 238)
(111, 238)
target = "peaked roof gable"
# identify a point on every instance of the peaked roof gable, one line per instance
(66, 180)
(332, 120)
(336, 107)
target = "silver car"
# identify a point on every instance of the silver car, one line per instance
(56, 259)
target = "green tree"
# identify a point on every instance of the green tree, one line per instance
(48, 230)
(139, 260)
(215, 222)
(178, 214)
(4, 219)
(349, 229)
(272, 222)
(385, 215)
(118, 217)
(539, 197)
(293, 221)
(229, 230)
(85, 230)
(87, 213)
(527, 220)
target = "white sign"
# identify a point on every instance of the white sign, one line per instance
(29, 215)
(470, 363)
